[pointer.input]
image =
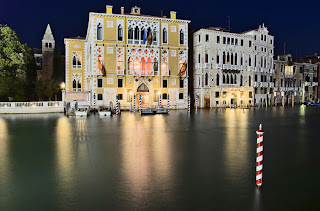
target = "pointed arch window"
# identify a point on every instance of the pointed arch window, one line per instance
(199, 59)
(228, 58)
(232, 58)
(165, 36)
(164, 67)
(206, 79)
(217, 80)
(249, 80)
(120, 33)
(224, 79)
(130, 66)
(76, 60)
(249, 61)
(99, 32)
(120, 65)
(228, 79)
(218, 59)
(224, 58)
(181, 35)
(136, 33)
(231, 79)
(236, 59)
(241, 80)
(130, 34)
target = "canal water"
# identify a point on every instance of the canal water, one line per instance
(202, 161)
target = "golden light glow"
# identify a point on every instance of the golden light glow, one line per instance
(4, 162)
(131, 93)
(62, 85)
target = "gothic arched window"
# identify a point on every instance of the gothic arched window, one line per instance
(164, 36)
(99, 32)
(181, 37)
(120, 33)
(206, 79)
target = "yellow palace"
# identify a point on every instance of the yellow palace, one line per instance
(129, 55)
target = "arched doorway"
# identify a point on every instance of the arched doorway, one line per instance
(207, 101)
(143, 91)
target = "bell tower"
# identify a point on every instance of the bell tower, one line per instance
(48, 45)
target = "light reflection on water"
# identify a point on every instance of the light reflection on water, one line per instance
(145, 156)
(236, 142)
(203, 160)
(4, 162)
(65, 159)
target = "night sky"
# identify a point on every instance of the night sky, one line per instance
(294, 23)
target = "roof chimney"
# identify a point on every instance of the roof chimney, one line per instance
(173, 15)
(109, 9)
(122, 10)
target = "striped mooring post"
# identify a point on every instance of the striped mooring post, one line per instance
(196, 104)
(168, 103)
(160, 101)
(189, 103)
(134, 103)
(259, 161)
(140, 104)
(117, 108)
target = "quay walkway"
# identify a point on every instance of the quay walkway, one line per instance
(31, 107)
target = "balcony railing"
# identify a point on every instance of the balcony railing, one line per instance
(218, 66)
(141, 72)
(230, 86)
(307, 83)
(198, 66)
(314, 83)
(120, 72)
(255, 84)
(271, 84)
(264, 84)
(207, 65)
(165, 72)
(140, 42)
(272, 71)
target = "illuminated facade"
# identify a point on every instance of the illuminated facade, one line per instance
(129, 55)
(295, 79)
(233, 69)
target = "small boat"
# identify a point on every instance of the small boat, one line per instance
(313, 104)
(147, 111)
(104, 112)
(82, 112)
(161, 111)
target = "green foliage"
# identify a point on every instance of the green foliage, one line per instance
(30, 68)
(11, 51)
(58, 72)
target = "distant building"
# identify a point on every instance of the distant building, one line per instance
(127, 55)
(233, 69)
(295, 78)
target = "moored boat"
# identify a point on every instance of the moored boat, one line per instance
(82, 112)
(104, 112)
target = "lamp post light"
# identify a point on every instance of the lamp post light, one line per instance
(63, 90)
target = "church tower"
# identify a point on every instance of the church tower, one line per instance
(48, 45)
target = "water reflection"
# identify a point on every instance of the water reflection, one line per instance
(4, 161)
(236, 143)
(146, 156)
(65, 159)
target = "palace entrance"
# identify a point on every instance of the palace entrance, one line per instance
(207, 101)
(143, 91)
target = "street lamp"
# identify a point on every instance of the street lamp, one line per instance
(62, 86)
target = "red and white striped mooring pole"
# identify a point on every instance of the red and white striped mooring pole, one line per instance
(117, 109)
(140, 105)
(189, 102)
(259, 162)
(196, 104)
(134, 103)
